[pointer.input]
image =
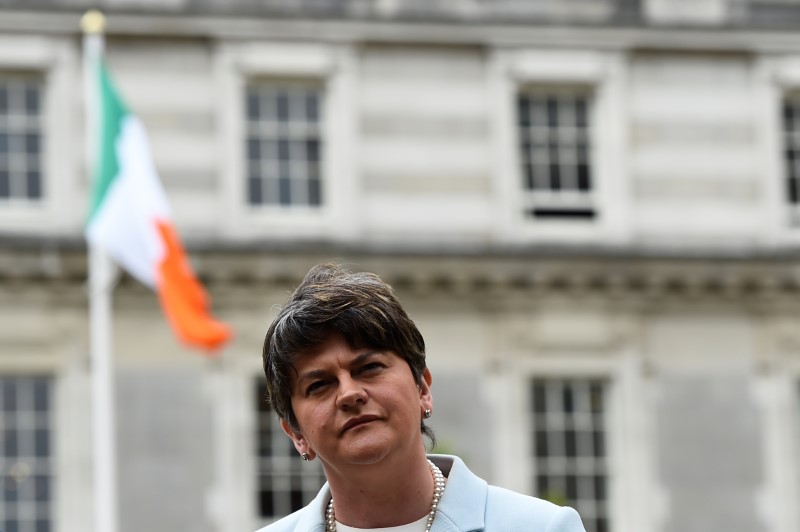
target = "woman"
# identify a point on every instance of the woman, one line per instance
(346, 373)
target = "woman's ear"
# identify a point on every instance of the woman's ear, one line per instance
(425, 396)
(299, 441)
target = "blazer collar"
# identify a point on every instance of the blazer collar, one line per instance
(463, 504)
(312, 517)
(461, 509)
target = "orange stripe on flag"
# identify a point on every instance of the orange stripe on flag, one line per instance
(183, 299)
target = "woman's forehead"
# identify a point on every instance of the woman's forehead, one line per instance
(335, 354)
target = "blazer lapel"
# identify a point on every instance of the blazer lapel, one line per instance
(312, 518)
(461, 509)
(463, 504)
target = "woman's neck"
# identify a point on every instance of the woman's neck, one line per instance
(390, 493)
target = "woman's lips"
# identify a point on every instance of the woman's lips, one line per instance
(357, 421)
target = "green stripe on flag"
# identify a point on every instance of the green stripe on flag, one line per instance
(113, 112)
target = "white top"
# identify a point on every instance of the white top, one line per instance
(416, 526)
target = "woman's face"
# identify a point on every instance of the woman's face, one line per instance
(356, 406)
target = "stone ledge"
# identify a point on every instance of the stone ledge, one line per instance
(472, 275)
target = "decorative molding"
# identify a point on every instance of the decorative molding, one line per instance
(771, 36)
(633, 277)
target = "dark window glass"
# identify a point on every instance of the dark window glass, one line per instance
(567, 398)
(41, 395)
(314, 192)
(5, 185)
(541, 444)
(312, 150)
(254, 191)
(552, 112)
(32, 104)
(34, 183)
(312, 108)
(253, 149)
(285, 190)
(794, 197)
(580, 113)
(42, 488)
(9, 394)
(253, 108)
(283, 150)
(584, 181)
(570, 444)
(10, 489)
(283, 106)
(41, 443)
(265, 503)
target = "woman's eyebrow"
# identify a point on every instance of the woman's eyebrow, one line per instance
(312, 374)
(321, 373)
(364, 356)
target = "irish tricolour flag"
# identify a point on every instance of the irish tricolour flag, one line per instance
(130, 220)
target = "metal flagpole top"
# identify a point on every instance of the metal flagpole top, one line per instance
(93, 22)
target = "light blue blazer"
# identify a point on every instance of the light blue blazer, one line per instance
(468, 504)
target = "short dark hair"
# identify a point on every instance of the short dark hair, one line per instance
(331, 299)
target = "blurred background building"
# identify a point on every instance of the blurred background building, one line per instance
(591, 208)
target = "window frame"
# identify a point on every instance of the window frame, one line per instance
(604, 75)
(560, 196)
(19, 83)
(280, 132)
(775, 77)
(793, 208)
(289, 464)
(32, 353)
(776, 388)
(56, 62)
(634, 502)
(235, 491)
(334, 67)
(606, 387)
(49, 458)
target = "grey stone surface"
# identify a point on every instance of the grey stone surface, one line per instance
(164, 436)
(462, 419)
(767, 14)
(581, 11)
(709, 453)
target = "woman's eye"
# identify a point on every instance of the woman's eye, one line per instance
(372, 366)
(315, 386)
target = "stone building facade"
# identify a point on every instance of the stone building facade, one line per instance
(589, 207)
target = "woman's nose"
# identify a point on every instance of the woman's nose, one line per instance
(351, 393)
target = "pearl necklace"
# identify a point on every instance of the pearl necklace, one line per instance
(438, 489)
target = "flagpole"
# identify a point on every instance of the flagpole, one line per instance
(100, 288)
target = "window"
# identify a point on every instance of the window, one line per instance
(555, 154)
(20, 137)
(25, 455)
(791, 134)
(284, 144)
(285, 483)
(569, 446)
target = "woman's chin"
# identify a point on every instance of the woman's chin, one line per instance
(365, 451)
